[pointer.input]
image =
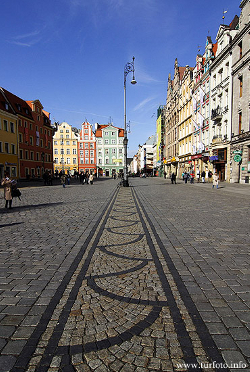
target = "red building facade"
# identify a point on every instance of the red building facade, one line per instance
(87, 149)
(34, 137)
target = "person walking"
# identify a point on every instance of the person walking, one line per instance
(7, 184)
(215, 180)
(185, 177)
(192, 176)
(63, 179)
(203, 175)
(173, 178)
(91, 179)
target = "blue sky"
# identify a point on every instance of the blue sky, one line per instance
(70, 54)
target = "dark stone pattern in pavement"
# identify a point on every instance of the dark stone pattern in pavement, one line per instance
(133, 279)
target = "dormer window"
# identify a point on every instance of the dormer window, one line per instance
(6, 106)
(19, 107)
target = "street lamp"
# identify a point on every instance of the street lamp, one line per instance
(129, 67)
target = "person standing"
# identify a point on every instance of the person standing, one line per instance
(7, 183)
(215, 180)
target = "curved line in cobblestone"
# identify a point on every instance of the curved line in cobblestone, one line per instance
(115, 340)
(129, 300)
(132, 269)
(109, 229)
(122, 256)
(123, 226)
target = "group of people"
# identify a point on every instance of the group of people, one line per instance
(214, 177)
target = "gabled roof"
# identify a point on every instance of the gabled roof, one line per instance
(20, 106)
(3, 101)
(100, 128)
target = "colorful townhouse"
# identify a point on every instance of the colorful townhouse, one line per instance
(86, 149)
(185, 126)
(65, 149)
(8, 138)
(109, 150)
(34, 136)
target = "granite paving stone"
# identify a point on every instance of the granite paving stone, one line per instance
(108, 278)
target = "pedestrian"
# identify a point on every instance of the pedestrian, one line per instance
(173, 178)
(215, 180)
(210, 175)
(198, 175)
(91, 179)
(7, 184)
(185, 177)
(192, 176)
(63, 179)
(68, 178)
(203, 175)
(165, 174)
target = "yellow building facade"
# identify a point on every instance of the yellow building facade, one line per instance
(185, 129)
(8, 140)
(65, 151)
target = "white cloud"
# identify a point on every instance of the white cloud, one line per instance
(143, 103)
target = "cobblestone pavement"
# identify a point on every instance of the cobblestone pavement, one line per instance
(154, 277)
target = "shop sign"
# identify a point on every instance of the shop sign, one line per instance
(239, 152)
(117, 160)
(213, 158)
(198, 156)
(237, 158)
(173, 160)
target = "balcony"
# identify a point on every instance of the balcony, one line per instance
(216, 114)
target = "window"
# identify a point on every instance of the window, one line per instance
(41, 143)
(37, 156)
(113, 133)
(68, 152)
(113, 141)
(86, 161)
(86, 137)
(113, 151)
(31, 155)
(100, 162)
(5, 125)
(240, 49)
(106, 133)
(20, 138)
(68, 160)
(6, 147)
(74, 152)
(12, 127)
(56, 151)
(67, 131)
(120, 151)
(31, 140)
(91, 145)
(241, 85)
(81, 161)
(106, 161)
(91, 161)
(81, 152)
(106, 151)
(67, 136)
(86, 145)
(67, 143)
(61, 131)
(21, 154)
(74, 143)
(106, 141)
(240, 121)
(26, 154)
(86, 152)
(81, 146)
(91, 153)
(1, 147)
(62, 151)
(86, 131)
(13, 149)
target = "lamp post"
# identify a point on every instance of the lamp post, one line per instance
(129, 67)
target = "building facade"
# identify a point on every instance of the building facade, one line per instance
(65, 149)
(109, 150)
(8, 138)
(240, 144)
(221, 100)
(87, 149)
(171, 117)
(185, 126)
